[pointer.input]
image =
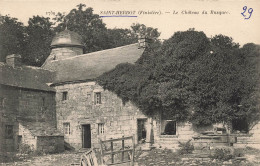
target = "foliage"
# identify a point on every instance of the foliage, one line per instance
(185, 147)
(94, 32)
(223, 154)
(33, 41)
(191, 77)
(25, 148)
(38, 40)
(11, 36)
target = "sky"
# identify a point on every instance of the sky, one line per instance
(169, 16)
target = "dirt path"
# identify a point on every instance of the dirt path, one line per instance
(156, 157)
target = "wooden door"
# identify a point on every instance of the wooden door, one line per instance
(86, 136)
(141, 130)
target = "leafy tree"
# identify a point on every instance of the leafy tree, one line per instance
(142, 30)
(38, 40)
(11, 37)
(94, 32)
(87, 24)
(119, 37)
(191, 77)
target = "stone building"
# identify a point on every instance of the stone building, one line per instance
(86, 112)
(24, 98)
(63, 96)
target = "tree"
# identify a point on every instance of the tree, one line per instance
(191, 77)
(38, 40)
(119, 37)
(11, 37)
(142, 30)
(87, 24)
(96, 36)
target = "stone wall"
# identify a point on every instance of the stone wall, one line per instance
(118, 119)
(23, 105)
(27, 137)
(80, 109)
(65, 52)
(50, 144)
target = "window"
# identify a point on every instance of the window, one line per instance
(101, 130)
(9, 131)
(168, 127)
(98, 98)
(64, 96)
(240, 126)
(2, 102)
(66, 128)
(43, 102)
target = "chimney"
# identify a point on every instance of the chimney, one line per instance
(143, 41)
(13, 60)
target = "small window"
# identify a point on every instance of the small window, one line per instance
(9, 132)
(2, 102)
(98, 98)
(64, 96)
(168, 127)
(101, 129)
(66, 128)
(43, 102)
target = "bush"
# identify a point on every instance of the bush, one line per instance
(223, 154)
(185, 147)
(25, 149)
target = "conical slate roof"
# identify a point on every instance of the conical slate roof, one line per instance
(67, 38)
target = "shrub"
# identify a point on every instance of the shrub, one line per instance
(25, 149)
(223, 154)
(185, 147)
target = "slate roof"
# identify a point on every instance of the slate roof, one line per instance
(41, 129)
(67, 38)
(26, 77)
(90, 66)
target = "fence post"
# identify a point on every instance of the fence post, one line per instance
(112, 154)
(123, 148)
(133, 151)
(101, 151)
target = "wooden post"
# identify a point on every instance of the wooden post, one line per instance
(101, 152)
(112, 154)
(133, 151)
(123, 148)
(149, 134)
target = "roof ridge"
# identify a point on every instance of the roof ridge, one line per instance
(96, 52)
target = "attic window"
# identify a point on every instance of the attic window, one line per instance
(64, 96)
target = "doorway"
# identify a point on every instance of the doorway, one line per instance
(86, 136)
(240, 125)
(141, 130)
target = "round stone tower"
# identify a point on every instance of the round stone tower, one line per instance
(66, 44)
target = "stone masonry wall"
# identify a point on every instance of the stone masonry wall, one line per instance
(23, 105)
(65, 52)
(50, 144)
(118, 119)
(79, 109)
(27, 137)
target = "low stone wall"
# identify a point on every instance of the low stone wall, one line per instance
(50, 144)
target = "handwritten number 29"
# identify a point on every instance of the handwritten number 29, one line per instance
(250, 11)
